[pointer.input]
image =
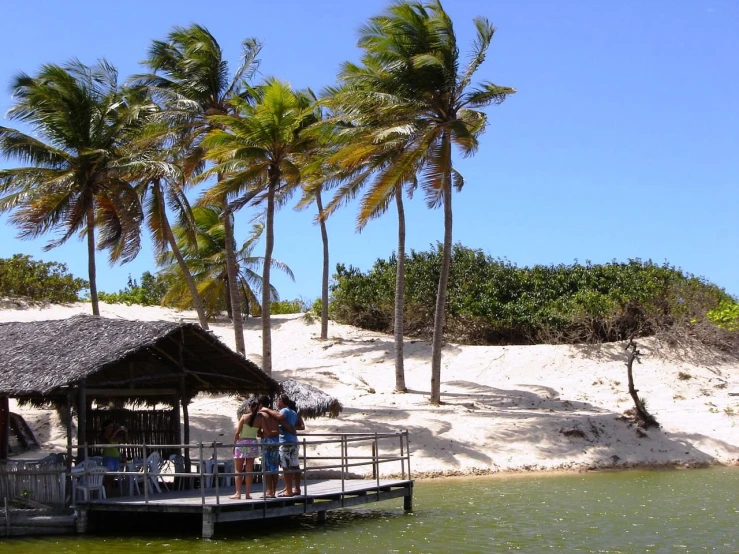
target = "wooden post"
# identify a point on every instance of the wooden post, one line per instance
(81, 416)
(408, 499)
(209, 522)
(82, 522)
(4, 427)
(321, 516)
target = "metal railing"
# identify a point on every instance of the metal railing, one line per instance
(344, 456)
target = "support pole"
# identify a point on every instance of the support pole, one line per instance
(408, 498)
(209, 522)
(4, 427)
(81, 415)
(321, 516)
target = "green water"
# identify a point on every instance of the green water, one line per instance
(636, 511)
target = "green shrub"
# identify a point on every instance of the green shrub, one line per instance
(21, 276)
(492, 301)
(726, 315)
(297, 306)
(149, 293)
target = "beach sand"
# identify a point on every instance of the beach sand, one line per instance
(505, 408)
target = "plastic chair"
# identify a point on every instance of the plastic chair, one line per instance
(153, 465)
(178, 463)
(89, 482)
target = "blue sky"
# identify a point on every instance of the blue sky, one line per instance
(620, 143)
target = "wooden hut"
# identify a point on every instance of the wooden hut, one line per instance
(72, 362)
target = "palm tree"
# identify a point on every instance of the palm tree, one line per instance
(366, 156)
(257, 154)
(412, 61)
(190, 80)
(73, 181)
(207, 258)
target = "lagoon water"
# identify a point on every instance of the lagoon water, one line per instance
(631, 512)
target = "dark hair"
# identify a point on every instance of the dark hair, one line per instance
(253, 405)
(264, 401)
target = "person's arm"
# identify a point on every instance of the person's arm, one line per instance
(238, 429)
(272, 413)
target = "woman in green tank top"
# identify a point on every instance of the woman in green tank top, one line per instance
(245, 450)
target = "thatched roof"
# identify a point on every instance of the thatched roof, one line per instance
(310, 401)
(43, 359)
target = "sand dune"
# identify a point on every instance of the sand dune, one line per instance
(510, 408)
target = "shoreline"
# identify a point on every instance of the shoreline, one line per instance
(506, 411)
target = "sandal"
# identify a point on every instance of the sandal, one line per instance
(284, 494)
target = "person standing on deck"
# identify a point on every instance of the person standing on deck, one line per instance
(270, 446)
(245, 450)
(288, 420)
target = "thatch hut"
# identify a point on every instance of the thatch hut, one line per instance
(72, 362)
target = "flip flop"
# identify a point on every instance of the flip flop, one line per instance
(285, 495)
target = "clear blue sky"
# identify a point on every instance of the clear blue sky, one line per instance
(622, 141)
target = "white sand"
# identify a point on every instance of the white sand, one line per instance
(509, 408)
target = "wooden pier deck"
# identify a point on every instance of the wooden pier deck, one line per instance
(323, 495)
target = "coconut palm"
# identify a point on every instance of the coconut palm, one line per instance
(256, 154)
(72, 181)
(207, 260)
(190, 79)
(365, 158)
(411, 62)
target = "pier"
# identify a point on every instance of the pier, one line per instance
(338, 471)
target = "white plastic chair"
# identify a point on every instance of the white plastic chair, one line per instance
(178, 463)
(153, 465)
(90, 481)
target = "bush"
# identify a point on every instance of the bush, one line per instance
(492, 301)
(726, 315)
(21, 276)
(149, 293)
(297, 306)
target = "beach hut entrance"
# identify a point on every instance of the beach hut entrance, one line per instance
(143, 427)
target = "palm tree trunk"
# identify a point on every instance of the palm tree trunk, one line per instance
(91, 270)
(196, 300)
(324, 277)
(400, 295)
(266, 300)
(446, 259)
(233, 288)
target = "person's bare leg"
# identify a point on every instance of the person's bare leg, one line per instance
(288, 482)
(248, 468)
(296, 489)
(239, 468)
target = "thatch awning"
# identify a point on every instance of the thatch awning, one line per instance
(311, 401)
(44, 359)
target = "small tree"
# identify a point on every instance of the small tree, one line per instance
(643, 417)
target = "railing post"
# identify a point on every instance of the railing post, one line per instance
(375, 464)
(86, 473)
(202, 476)
(344, 467)
(146, 475)
(215, 471)
(402, 457)
(305, 471)
(408, 452)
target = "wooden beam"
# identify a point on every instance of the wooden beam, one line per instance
(81, 417)
(4, 427)
(131, 392)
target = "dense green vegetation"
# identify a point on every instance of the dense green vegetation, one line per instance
(150, 292)
(492, 301)
(22, 276)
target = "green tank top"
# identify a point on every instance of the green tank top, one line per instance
(111, 452)
(248, 432)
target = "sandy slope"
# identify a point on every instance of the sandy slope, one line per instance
(508, 408)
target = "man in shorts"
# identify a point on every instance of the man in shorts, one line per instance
(270, 446)
(289, 460)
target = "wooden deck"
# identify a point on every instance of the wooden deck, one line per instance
(323, 495)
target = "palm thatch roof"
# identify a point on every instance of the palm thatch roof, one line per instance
(310, 401)
(45, 359)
